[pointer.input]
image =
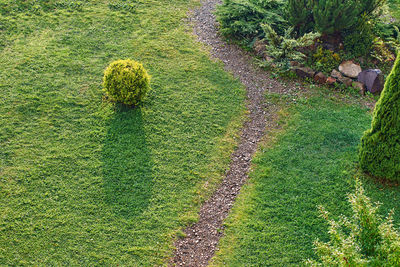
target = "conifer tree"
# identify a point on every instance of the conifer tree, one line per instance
(379, 152)
(332, 16)
(299, 15)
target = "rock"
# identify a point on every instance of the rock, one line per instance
(259, 47)
(320, 78)
(328, 46)
(346, 81)
(268, 59)
(304, 72)
(360, 87)
(296, 64)
(330, 80)
(335, 74)
(350, 69)
(373, 80)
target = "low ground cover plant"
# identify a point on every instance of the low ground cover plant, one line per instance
(283, 49)
(126, 81)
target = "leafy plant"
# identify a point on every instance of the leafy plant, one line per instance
(365, 239)
(326, 60)
(126, 81)
(283, 49)
(381, 52)
(380, 145)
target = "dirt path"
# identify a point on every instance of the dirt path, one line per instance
(201, 240)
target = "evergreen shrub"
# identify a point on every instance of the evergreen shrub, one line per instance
(379, 152)
(126, 81)
(358, 40)
(299, 15)
(365, 239)
(242, 19)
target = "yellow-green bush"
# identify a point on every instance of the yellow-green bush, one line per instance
(126, 81)
(326, 60)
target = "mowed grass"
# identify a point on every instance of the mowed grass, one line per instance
(84, 181)
(311, 162)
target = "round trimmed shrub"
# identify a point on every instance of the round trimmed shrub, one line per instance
(380, 146)
(126, 81)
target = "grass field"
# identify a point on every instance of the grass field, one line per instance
(86, 182)
(311, 162)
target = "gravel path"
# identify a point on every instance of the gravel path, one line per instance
(201, 240)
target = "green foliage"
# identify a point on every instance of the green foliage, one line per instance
(370, 8)
(243, 18)
(363, 240)
(381, 52)
(283, 48)
(326, 60)
(126, 81)
(358, 40)
(380, 145)
(299, 15)
(333, 16)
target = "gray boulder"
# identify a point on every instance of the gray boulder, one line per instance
(373, 80)
(350, 69)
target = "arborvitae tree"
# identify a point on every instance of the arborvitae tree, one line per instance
(332, 16)
(380, 146)
(299, 15)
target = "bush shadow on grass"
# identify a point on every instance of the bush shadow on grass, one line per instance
(128, 179)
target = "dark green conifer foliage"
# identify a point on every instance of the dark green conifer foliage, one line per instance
(332, 16)
(299, 14)
(380, 146)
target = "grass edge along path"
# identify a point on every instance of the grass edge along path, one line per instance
(309, 162)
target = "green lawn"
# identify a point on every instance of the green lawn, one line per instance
(85, 182)
(312, 162)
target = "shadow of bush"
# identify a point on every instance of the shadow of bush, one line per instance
(127, 162)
